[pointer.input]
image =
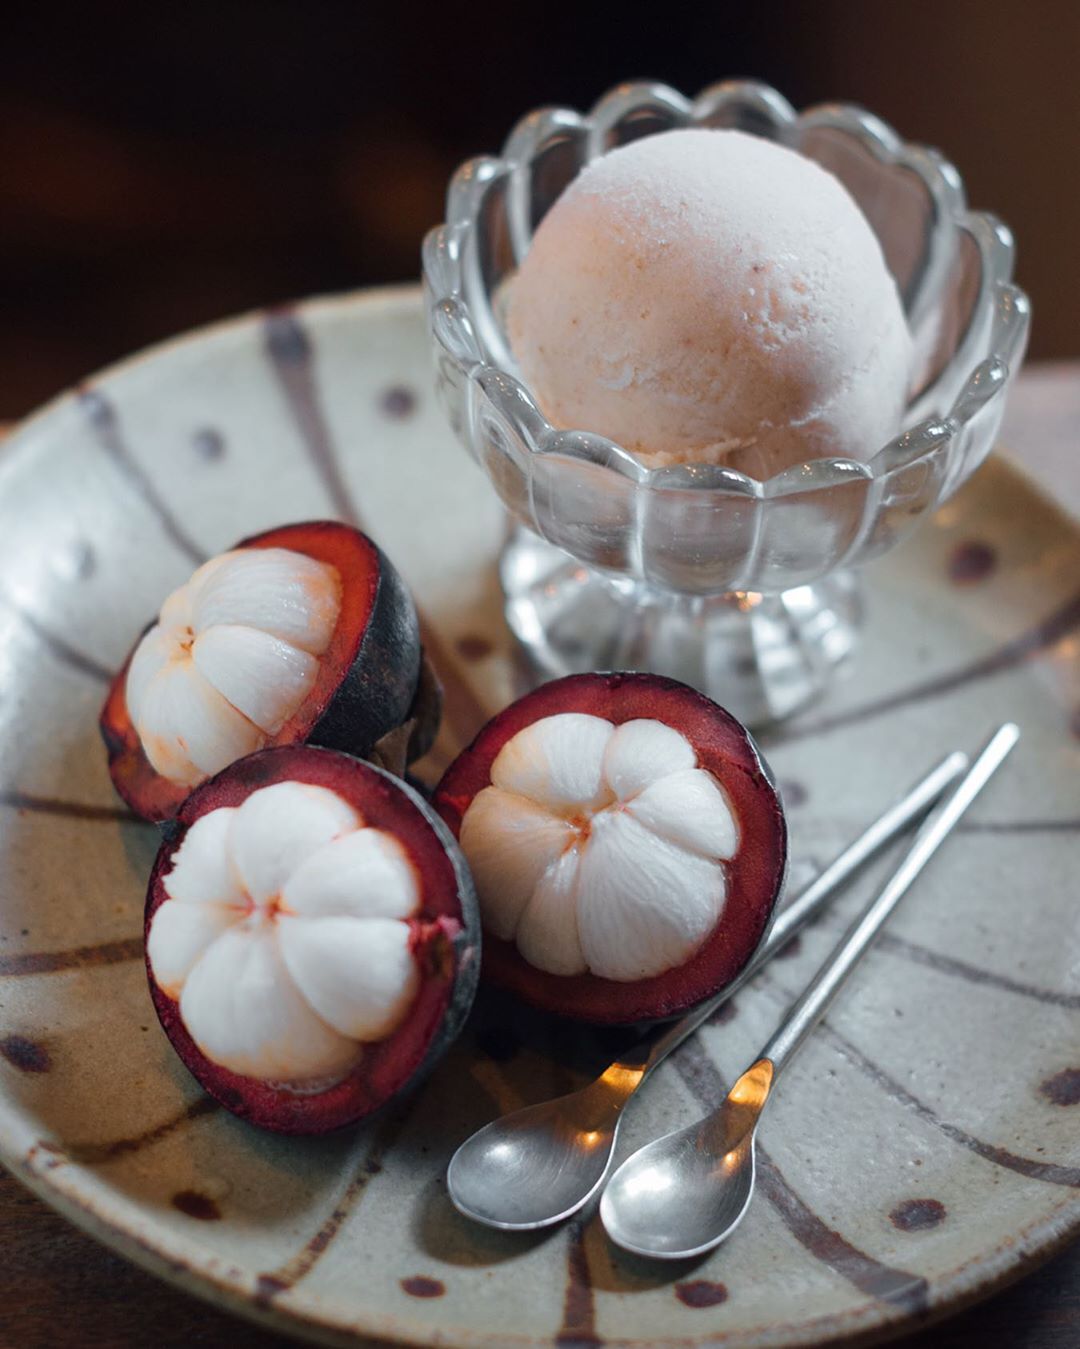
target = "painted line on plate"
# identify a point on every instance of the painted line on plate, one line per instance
(932, 959)
(1053, 1173)
(898, 1287)
(75, 958)
(97, 1154)
(1040, 638)
(918, 954)
(291, 355)
(811, 823)
(292, 358)
(1019, 827)
(908, 1292)
(71, 810)
(103, 419)
(578, 1328)
(58, 646)
(974, 974)
(298, 1266)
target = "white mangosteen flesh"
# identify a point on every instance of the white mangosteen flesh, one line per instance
(285, 936)
(600, 848)
(232, 656)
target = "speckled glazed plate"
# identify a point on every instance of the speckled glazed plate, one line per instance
(926, 1145)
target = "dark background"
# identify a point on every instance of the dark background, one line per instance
(166, 164)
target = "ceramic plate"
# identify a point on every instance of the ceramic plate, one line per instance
(925, 1145)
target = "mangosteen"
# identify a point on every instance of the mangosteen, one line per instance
(312, 938)
(627, 845)
(304, 633)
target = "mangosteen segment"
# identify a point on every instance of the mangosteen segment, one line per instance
(232, 656)
(284, 935)
(311, 938)
(600, 848)
(305, 633)
(626, 842)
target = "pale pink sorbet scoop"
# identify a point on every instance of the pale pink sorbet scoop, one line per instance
(712, 297)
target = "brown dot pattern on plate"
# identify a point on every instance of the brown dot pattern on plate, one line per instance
(726, 1012)
(398, 402)
(701, 1293)
(791, 948)
(793, 793)
(474, 647)
(917, 1215)
(196, 1205)
(25, 1054)
(1063, 1088)
(209, 444)
(972, 561)
(421, 1286)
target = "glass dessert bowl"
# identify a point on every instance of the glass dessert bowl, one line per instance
(742, 587)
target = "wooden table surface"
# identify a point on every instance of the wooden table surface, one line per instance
(59, 1289)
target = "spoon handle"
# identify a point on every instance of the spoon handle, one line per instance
(651, 1051)
(812, 1005)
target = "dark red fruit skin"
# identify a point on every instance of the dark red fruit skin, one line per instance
(446, 940)
(367, 677)
(754, 879)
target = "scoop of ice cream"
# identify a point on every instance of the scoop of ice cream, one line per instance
(711, 297)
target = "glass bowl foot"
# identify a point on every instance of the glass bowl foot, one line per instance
(760, 656)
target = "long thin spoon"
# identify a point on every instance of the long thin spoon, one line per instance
(539, 1165)
(683, 1194)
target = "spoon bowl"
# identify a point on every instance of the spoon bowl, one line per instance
(674, 1196)
(538, 1165)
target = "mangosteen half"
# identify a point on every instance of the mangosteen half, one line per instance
(312, 938)
(627, 845)
(304, 633)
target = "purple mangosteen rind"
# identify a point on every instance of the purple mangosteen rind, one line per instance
(449, 959)
(377, 692)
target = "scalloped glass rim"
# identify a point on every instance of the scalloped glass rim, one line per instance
(473, 342)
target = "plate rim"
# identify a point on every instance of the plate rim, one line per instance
(870, 1322)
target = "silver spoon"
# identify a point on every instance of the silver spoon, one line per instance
(539, 1165)
(683, 1194)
